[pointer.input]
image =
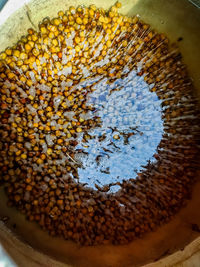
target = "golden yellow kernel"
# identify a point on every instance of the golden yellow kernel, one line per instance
(43, 156)
(124, 43)
(12, 65)
(16, 53)
(59, 113)
(18, 152)
(21, 110)
(78, 129)
(118, 4)
(85, 20)
(19, 63)
(24, 68)
(31, 43)
(77, 39)
(31, 97)
(46, 55)
(39, 161)
(52, 28)
(59, 141)
(35, 52)
(14, 124)
(77, 48)
(51, 35)
(29, 83)
(49, 151)
(54, 42)
(101, 19)
(72, 10)
(23, 79)
(34, 37)
(82, 34)
(43, 30)
(79, 21)
(8, 51)
(35, 124)
(108, 31)
(49, 114)
(9, 100)
(23, 156)
(28, 47)
(83, 60)
(11, 75)
(56, 21)
(61, 13)
(111, 14)
(60, 121)
(91, 40)
(114, 9)
(108, 43)
(70, 98)
(40, 112)
(49, 108)
(47, 128)
(69, 135)
(35, 105)
(55, 71)
(123, 28)
(58, 65)
(91, 12)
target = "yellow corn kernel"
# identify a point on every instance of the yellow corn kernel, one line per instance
(34, 38)
(60, 13)
(85, 20)
(56, 21)
(108, 43)
(124, 43)
(70, 98)
(8, 51)
(79, 21)
(29, 83)
(118, 4)
(78, 130)
(11, 75)
(16, 53)
(49, 151)
(23, 156)
(77, 39)
(28, 47)
(77, 48)
(54, 42)
(39, 161)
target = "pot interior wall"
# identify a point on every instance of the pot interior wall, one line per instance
(175, 18)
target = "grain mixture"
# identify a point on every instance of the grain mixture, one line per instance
(55, 84)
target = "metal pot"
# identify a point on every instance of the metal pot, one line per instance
(176, 241)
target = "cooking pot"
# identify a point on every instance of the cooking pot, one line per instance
(174, 244)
